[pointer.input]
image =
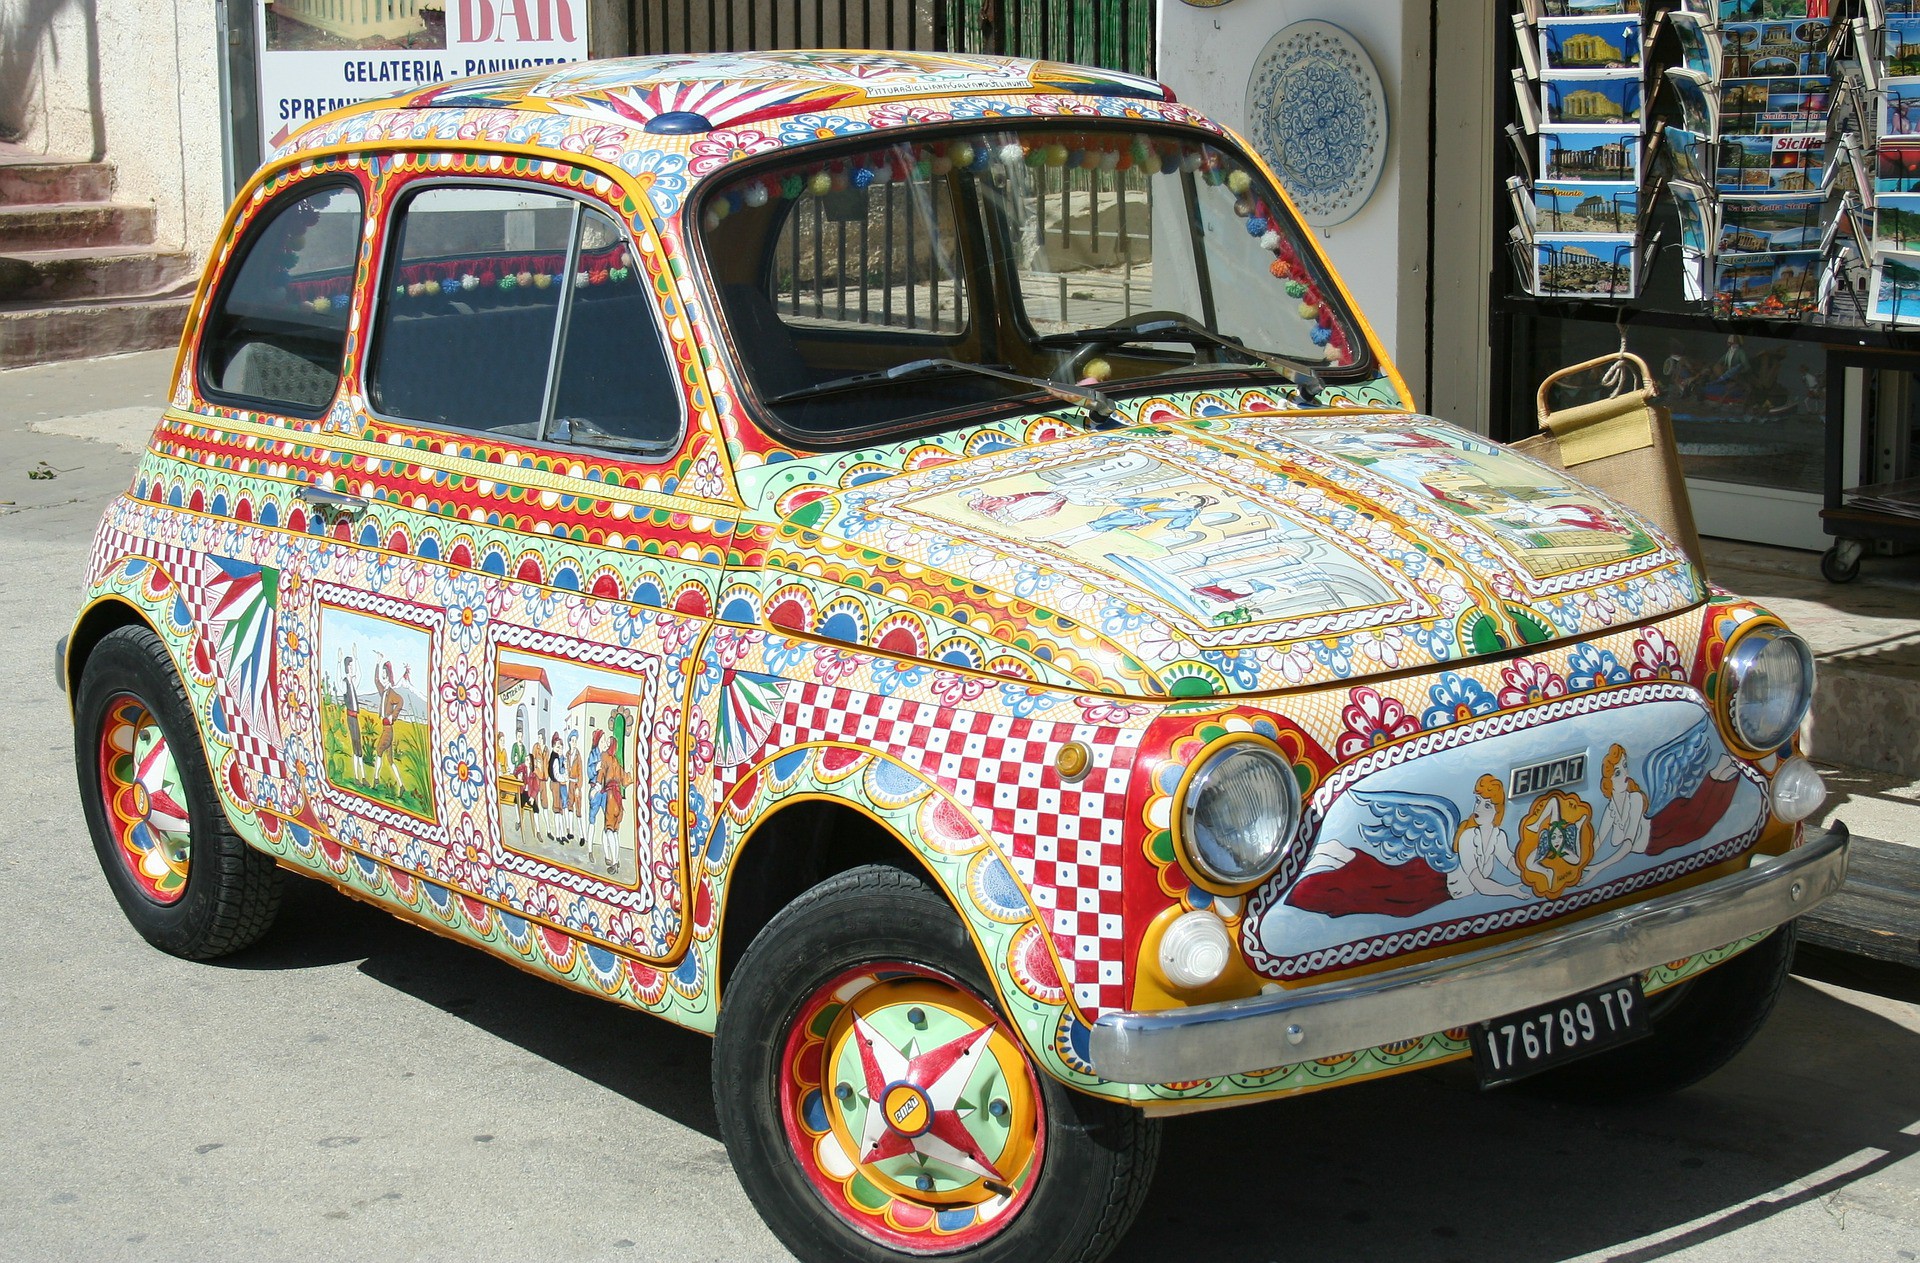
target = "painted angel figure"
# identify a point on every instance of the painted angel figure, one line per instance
(1428, 856)
(1691, 782)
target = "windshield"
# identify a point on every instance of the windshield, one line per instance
(1104, 256)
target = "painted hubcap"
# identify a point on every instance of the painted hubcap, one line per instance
(912, 1108)
(146, 800)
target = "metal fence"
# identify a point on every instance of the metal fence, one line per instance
(1116, 34)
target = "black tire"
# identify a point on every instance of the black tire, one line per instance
(1698, 1027)
(232, 891)
(1099, 1156)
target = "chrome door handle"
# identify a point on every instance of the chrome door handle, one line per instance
(338, 501)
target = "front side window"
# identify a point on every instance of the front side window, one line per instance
(277, 333)
(522, 313)
(1103, 255)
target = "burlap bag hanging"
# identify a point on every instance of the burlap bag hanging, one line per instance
(1622, 445)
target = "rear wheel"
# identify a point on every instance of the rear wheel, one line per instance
(877, 1106)
(1698, 1026)
(181, 876)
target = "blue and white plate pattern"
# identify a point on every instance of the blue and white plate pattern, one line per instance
(1316, 108)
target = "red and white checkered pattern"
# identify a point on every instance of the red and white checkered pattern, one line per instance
(1064, 839)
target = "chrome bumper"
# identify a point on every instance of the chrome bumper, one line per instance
(1282, 1028)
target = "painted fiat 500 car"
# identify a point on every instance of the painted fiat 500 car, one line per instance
(913, 565)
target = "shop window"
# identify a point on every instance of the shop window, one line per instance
(1746, 409)
(277, 334)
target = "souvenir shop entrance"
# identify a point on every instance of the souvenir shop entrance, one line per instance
(1720, 183)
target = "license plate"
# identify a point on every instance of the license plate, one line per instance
(1520, 1044)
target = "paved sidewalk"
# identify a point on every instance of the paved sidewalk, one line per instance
(1867, 637)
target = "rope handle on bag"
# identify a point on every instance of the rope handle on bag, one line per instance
(1616, 377)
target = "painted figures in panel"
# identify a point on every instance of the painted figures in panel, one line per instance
(567, 744)
(373, 709)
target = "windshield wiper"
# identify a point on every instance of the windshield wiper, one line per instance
(1303, 374)
(1098, 406)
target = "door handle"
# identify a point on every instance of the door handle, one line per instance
(338, 501)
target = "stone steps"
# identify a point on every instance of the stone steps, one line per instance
(80, 274)
(45, 334)
(70, 225)
(42, 181)
(48, 276)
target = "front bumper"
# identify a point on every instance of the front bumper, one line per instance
(1328, 1020)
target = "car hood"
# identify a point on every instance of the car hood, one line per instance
(1236, 554)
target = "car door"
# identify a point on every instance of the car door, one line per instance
(499, 663)
(267, 362)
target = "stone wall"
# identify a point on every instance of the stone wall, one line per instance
(133, 83)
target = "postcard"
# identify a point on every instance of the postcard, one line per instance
(1686, 154)
(1771, 164)
(1570, 45)
(1774, 284)
(1769, 225)
(1900, 107)
(1774, 49)
(1588, 267)
(1773, 106)
(1699, 46)
(1587, 8)
(1694, 206)
(1699, 103)
(1894, 293)
(1901, 49)
(1693, 269)
(1896, 222)
(1761, 10)
(1591, 102)
(1899, 168)
(1612, 156)
(1524, 38)
(1586, 208)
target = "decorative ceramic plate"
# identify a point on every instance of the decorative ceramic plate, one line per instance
(1317, 110)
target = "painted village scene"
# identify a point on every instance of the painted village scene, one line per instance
(373, 709)
(567, 740)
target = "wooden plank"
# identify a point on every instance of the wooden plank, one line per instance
(1877, 912)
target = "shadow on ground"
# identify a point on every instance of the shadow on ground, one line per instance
(1419, 1167)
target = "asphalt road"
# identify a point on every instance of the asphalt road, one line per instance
(357, 1088)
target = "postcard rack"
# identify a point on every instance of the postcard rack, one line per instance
(1748, 155)
(1580, 92)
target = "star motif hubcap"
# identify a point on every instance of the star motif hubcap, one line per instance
(912, 1107)
(923, 1092)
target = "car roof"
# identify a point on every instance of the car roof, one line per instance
(707, 91)
(783, 82)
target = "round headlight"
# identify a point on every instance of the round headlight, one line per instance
(1770, 677)
(1240, 807)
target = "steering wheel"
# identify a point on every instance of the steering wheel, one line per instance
(1071, 369)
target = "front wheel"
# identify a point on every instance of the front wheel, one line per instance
(1698, 1026)
(877, 1106)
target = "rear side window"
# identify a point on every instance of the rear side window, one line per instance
(277, 334)
(524, 314)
